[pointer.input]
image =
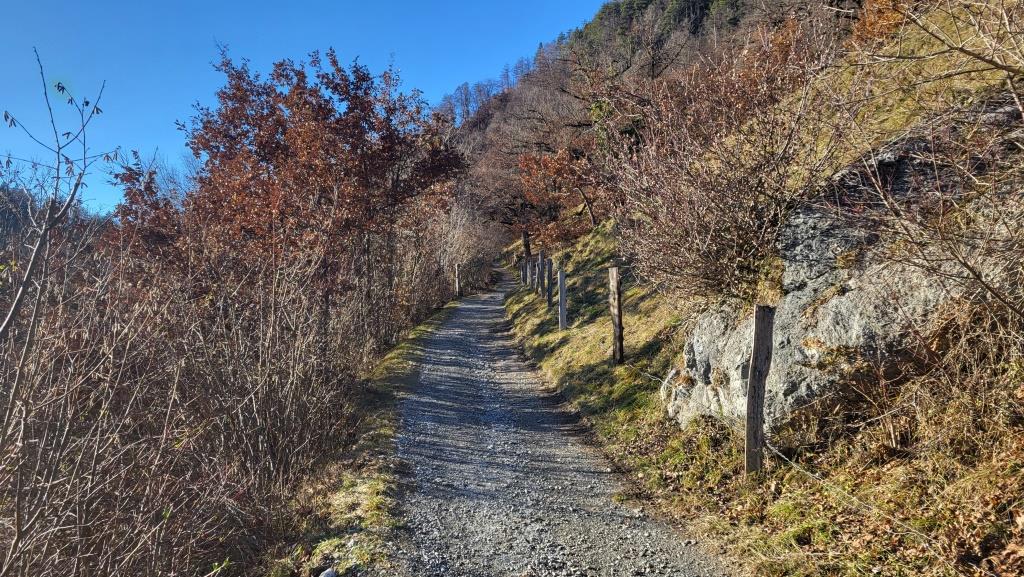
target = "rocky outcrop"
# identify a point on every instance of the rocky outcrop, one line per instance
(839, 308)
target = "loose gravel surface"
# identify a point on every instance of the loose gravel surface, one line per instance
(498, 481)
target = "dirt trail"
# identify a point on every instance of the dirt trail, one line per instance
(499, 484)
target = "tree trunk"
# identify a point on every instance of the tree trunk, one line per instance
(589, 206)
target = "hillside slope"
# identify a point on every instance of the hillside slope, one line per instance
(846, 507)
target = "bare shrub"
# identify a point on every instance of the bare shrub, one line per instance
(708, 169)
(169, 377)
(945, 200)
(985, 33)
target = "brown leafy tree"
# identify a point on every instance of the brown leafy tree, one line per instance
(170, 378)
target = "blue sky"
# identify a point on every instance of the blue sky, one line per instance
(155, 56)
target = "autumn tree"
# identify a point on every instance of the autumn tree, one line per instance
(172, 373)
(317, 160)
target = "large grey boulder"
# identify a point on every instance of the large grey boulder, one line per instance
(848, 310)
(836, 311)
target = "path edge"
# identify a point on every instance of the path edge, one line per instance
(360, 492)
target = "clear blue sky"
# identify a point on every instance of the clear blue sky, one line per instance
(155, 55)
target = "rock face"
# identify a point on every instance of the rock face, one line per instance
(838, 310)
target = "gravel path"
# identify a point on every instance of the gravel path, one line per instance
(498, 482)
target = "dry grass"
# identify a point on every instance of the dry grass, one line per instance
(851, 507)
(921, 473)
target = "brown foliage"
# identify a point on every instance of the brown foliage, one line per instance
(559, 191)
(165, 387)
(879, 20)
(708, 167)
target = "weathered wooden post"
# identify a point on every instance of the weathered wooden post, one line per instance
(529, 272)
(536, 274)
(615, 304)
(760, 363)
(541, 276)
(549, 284)
(562, 318)
(458, 281)
(522, 270)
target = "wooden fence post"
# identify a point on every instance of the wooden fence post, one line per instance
(522, 270)
(458, 281)
(541, 277)
(537, 273)
(615, 304)
(760, 363)
(562, 320)
(529, 272)
(549, 284)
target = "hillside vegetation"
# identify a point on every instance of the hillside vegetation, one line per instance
(188, 386)
(902, 133)
(176, 376)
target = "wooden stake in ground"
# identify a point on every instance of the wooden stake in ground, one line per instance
(550, 282)
(522, 270)
(562, 318)
(458, 281)
(541, 276)
(615, 304)
(760, 363)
